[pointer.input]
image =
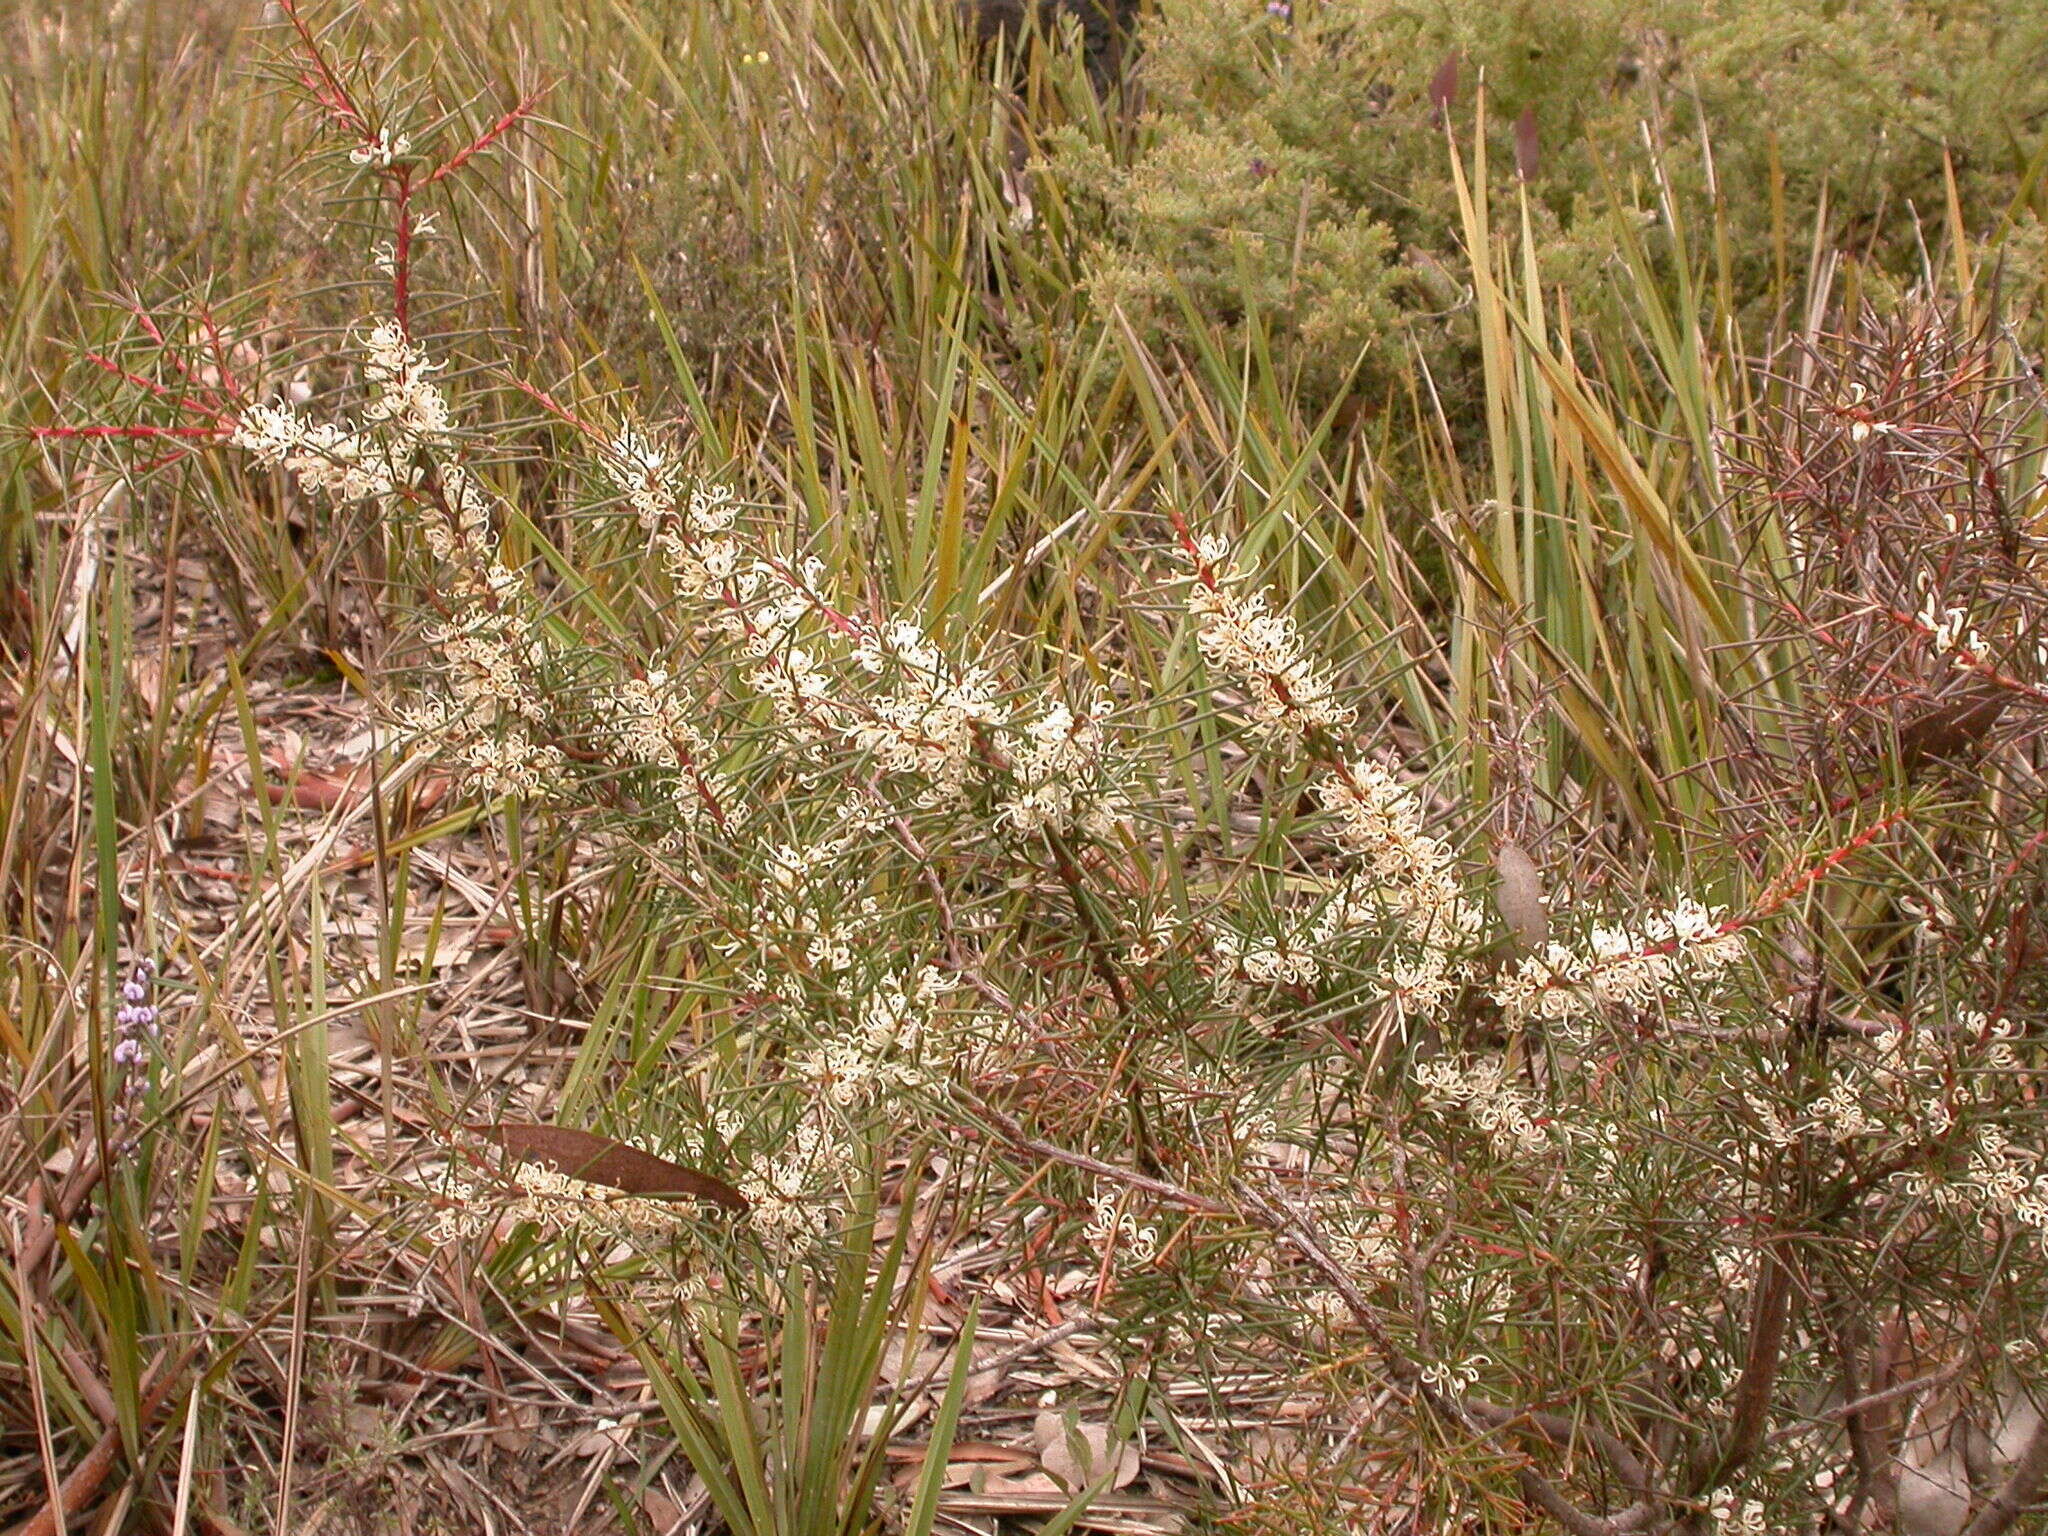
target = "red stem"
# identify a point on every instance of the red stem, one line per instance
(184, 402)
(487, 138)
(328, 90)
(200, 432)
(401, 247)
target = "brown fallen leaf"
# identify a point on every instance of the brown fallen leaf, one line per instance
(1016, 1498)
(1519, 896)
(1031, 1486)
(516, 1428)
(1443, 89)
(984, 1452)
(924, 1365)
(1953, 731)
(310, 792)
(1277, 1450)
(663, 1513)
(1079, 1453)
(604, 1160)
(985, 1384)
(608, 1437)
(433, 789)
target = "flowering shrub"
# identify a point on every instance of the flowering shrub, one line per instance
(1636, 1206)
(929, 891)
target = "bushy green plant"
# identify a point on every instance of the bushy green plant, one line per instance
(1290, 172)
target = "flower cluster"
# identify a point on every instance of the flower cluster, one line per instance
(325, 458)
(1397, 899)
(1624, 966)
(881, 1055)
(1497, 1106)
(1379, 819)
(488, 703)
(690, 521)
(1733, 1518)
(1999, 1173)
(792, 1195)
(930, 726)
(1364, 1241)
(882, 690)
(1455, 1377)
(1912, 1081)
(332, 459)
(808, 918)
(1289, 696)
(2000, 1181)
(138, 1027)
(1117, 1235)
(1246, 961)
(558, 1205)
(1058, 770)
(1406, 887)
(1950, 630)
(404, 394)
(383, 151)
(651, 723)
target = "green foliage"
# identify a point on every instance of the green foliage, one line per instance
(1290, 173)
(804, 1460)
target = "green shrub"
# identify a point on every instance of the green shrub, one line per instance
(1292, 167)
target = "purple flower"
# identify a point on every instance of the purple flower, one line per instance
(136, 1018)
(1279, 9)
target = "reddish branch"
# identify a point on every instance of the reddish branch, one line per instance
(2021, 1485)
(324, 83)
(486, 139)
(82, 1484)
(204, 434)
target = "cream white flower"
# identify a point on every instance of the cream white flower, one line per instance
(1057, 770)
(1406, 889)
(1635, 967)
(1496, 1105)
(1289, 696)
(406, 396)
(382, 152)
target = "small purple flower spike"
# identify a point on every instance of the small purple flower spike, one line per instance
(135, 1021)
